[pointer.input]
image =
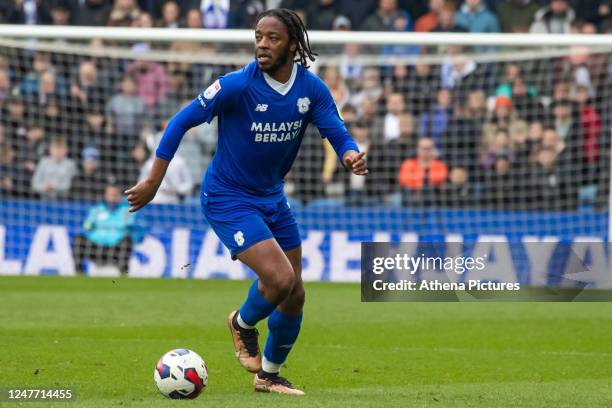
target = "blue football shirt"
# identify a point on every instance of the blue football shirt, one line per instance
(260, 129)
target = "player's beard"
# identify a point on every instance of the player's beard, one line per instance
(278, 62)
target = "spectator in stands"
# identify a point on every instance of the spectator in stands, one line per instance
(29, 12)
(41, 63)
(462, 139)
(177, 183)
(435, 122)
(170, 15)
(337, 86)
(54, 173)
(565, 120)
(215, 13)
(499, 185)
(151, 81)
(178, 93)
(499, 146)
(107, 233)
(503, 118)
(13, 119)
(125, 113)
(88, 182)
(429, 21)
(475, 17)
(370, 116)
(520, 144)
(395, 107)
(129, 172)
(243, 13)
(556, 18)
(61, 13)
(458, 192)
(31, 147)
(321, 14)
(421, 177)
(512, 73)
(420, 83)
(351, 64)
(594, 12)
(526, 102)
(568, 162)
(446, 20)
(9, 173)
(86, 89)
(93, 12)
(193, 19)
(371, 88)
(384, 17)
(516, 16)
(575, 68)
(96, 132)
(591, 129)
(546, 183)
(394, 152)
(401, 23)
(124, 13)
(5, 86)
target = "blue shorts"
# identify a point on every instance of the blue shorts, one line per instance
(241, 223)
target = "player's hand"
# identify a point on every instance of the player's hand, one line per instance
(141, 194)
(356, 162)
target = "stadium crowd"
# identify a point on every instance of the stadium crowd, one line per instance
(533, 134)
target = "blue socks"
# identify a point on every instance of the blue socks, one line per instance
(255, 307)
(283, 330)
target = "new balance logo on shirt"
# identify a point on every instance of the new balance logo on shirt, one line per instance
(261, 107)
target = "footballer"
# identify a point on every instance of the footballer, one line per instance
(263, 110)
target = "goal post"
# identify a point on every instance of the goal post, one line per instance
(470, 138)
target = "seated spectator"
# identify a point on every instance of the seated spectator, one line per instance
(384, 17)
(500, 146)
(107, 233)
(475, 17)
(395, 107)
(462, 138)
(371, 88)
(503, 117)
(498, 191)
(171, 13)
(334, 81)
(124, 13)
(428, 22)
(516, 16)
(419, 83)
(31, 147)
(527, 104)
(193, 18)
(29, 12)
(9, 173)
(512, 73)
(556, 18)
(446, 20)
(243, 13)
(93, 12)
(61, 13)
(355, 186)
(351, 64)
(177, 183)
(435, 122)
(151, 81)
(593, 12)
(401, 23)
(421, 177)
(321, 14)
(54, 173)
(88, 182)
(591, 129)
(86, 88)
(125, 112)
(458, 192)
(546, 183)
(461, 74)
(567, 162)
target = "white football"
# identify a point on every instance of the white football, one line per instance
(181, 374)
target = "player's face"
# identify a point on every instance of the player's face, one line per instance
(272, 46)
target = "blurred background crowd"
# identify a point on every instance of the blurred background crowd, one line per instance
(531, 134)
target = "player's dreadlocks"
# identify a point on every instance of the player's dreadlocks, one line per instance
(297, 32)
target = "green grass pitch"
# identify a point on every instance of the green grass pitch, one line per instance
(104, 336)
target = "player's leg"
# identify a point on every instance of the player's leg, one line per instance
(283, 329)
(285, 322)
(275, 282)
(241, 228)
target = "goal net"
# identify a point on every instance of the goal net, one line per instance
(470, 138)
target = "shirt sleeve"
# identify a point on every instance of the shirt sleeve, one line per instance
(327, 118)
(219, 97)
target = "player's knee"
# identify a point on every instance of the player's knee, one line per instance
(299, 295)
(282, 285)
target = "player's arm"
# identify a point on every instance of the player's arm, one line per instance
(327, 118)
(220, 96)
